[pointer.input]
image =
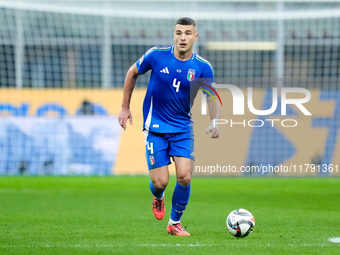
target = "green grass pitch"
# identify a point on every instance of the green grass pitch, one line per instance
(113, 215)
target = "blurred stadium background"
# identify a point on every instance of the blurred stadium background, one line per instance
(63, 64)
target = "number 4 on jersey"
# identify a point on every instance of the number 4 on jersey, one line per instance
(176, 84)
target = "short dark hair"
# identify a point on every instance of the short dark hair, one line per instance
(186, 21)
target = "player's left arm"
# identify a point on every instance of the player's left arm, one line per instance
(214, 109)
(214, 113)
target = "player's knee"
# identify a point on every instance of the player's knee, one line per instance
(160, 184)
(184, 180)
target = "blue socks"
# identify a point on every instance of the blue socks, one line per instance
(157, 193)
(180, 199)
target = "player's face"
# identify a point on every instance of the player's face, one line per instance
(184, 37)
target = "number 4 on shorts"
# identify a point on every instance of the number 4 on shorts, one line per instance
(149, 146)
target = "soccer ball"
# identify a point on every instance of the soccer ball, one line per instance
(240, 223)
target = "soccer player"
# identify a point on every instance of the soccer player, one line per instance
(167, 118)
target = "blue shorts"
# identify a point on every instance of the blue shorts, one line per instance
(160, 147)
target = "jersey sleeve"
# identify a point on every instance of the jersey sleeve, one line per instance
(208, 79)
(144, 64)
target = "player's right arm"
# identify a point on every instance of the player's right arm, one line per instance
(140, 67)
(129, 85)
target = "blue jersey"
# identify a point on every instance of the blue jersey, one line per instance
(172, 88)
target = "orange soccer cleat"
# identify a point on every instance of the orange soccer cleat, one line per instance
(158, 208)
(177, 230)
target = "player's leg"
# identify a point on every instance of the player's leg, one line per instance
(180, 197)
(182, 151)
(182, 189)
(159, 179)
(158, 159)
(184, 169)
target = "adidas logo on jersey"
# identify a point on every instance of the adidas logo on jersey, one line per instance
(165, 70)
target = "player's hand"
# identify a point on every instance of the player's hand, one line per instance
(123, 116)
(215, 132)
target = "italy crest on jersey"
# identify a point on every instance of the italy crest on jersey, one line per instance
(191, 74)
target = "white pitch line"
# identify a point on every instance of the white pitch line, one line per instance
(334, 239)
